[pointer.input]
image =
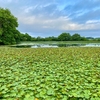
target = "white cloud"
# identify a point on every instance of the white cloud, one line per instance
(28, 9)
(53, 15)
(60, 23)
(93, 21)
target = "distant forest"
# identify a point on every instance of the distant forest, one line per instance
(10, 35)
(62, 37)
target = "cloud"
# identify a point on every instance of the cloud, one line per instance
(55, 16)
(83, 11)
(60, 23)
(93, 21)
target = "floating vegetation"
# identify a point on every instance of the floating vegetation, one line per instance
(50, 73)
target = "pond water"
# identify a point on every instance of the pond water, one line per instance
(55, 45)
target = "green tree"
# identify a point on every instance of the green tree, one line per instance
(76, 37)
(84, 39)
(26, 37)
(8, 24)
(38, 38)
(51, 38)
(64, 37)
(98, 39)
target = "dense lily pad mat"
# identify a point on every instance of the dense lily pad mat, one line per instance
(50, 74)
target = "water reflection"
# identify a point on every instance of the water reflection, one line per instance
(56, 45)
(21, 46)
(92, 45)
(69, 45)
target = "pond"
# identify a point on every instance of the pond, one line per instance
(39, 45)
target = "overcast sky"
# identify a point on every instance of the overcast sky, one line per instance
(52, 17)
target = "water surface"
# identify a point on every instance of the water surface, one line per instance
(55, 45)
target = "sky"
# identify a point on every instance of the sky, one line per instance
(52, 17)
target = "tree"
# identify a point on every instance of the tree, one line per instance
(98, 39)
(51, 38)
(76, 37)
(64, 37)
(26, 37)
(8, 24)
(84, 39)
(29, 38)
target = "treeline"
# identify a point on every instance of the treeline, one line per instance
(62, 37)
(10, 35)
